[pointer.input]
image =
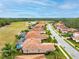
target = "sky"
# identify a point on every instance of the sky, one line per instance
(39, 8)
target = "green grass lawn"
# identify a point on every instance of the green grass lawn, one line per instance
(57, 54)
(7, 33)
(49, 40)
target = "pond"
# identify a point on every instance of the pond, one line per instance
(21, 40)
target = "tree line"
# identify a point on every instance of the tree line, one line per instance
(70, 22)
(8, 21)
(4, 22)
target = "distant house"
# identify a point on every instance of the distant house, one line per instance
(64, 30)
(39, 27)
(41, 22)
(72, 30)
(61, 27)
(61, 24)
(76, 36)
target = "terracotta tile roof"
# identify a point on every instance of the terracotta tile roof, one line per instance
(40, 25)
(38, 48)
(73, 30)
(31, 42)
(41, 22)
(35, 44)
(38, 29)
(36, 34)
(76, 34)
(75, 38)
(47, 46)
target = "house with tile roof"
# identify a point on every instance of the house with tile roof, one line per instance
(76, 36)
(35, 46)
(36, 34)
(39, 27)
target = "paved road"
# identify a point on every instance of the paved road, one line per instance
(68, 48)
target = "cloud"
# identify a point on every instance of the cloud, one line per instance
(37, 2)
(38, 8)
(18, 14)
(2, 7)
(30, 2)
(68, 5)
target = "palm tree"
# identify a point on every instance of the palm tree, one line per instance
(9, 51)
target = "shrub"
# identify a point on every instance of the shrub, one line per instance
(67, 34)
(25, 31)
(48, 32)
(17, 36)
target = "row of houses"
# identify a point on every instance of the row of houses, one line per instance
(63, 29)
(33, 38)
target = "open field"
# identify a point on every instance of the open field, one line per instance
(7, 33)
